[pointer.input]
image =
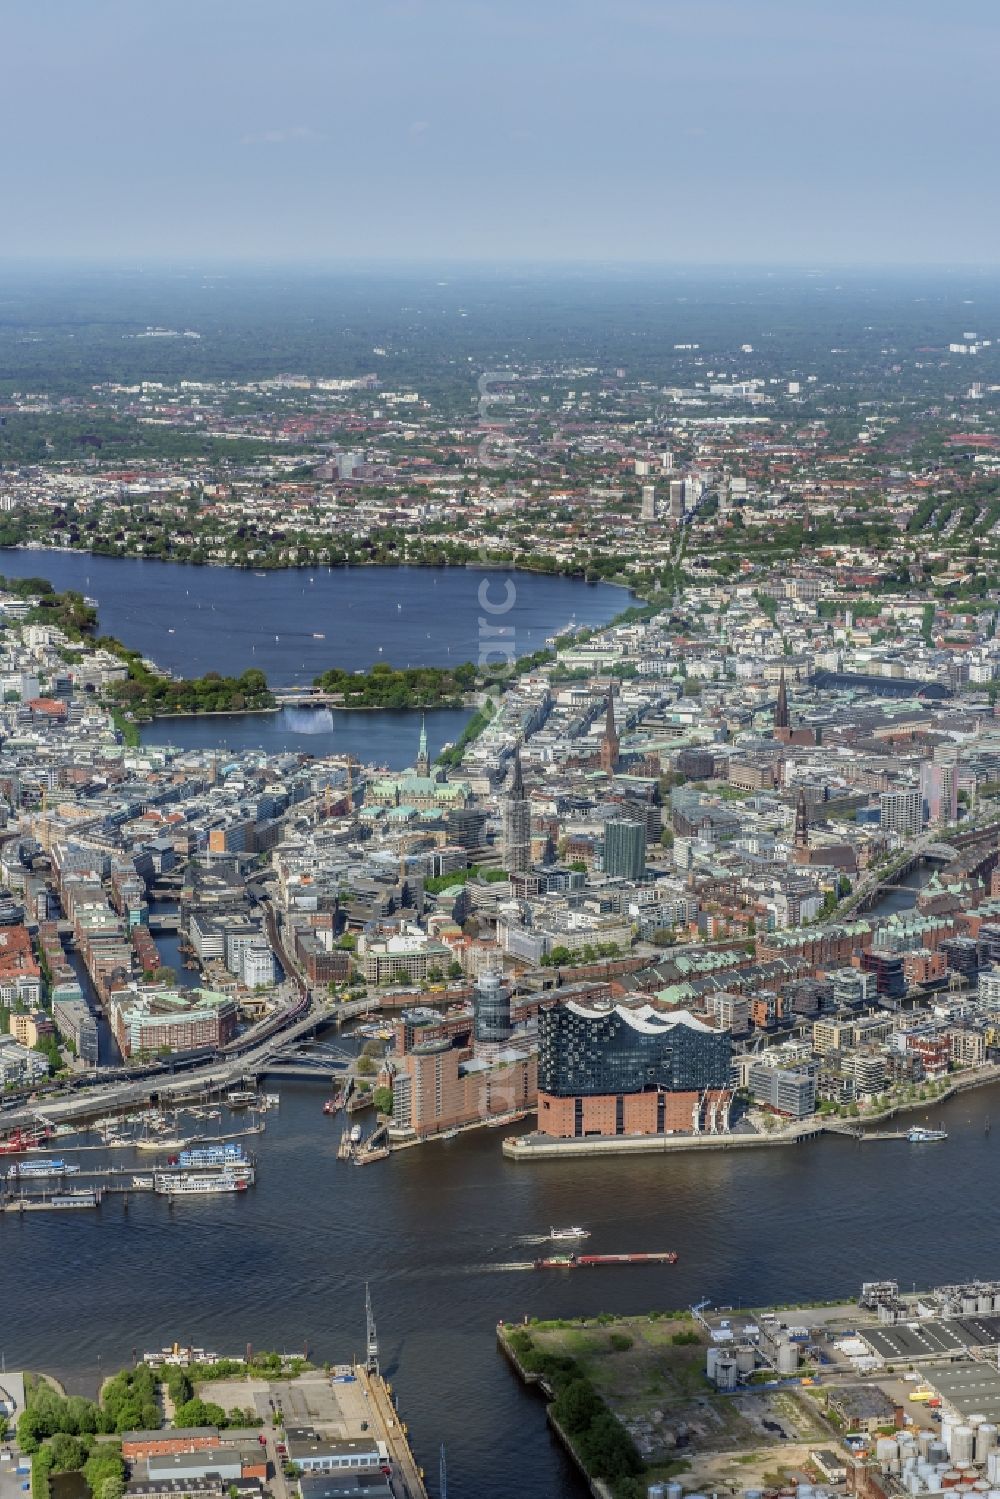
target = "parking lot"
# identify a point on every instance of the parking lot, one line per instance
(334, 1409)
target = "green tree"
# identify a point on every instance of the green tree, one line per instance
(576, 1406)
(198, 1412)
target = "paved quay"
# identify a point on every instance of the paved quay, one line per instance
(534, 1147)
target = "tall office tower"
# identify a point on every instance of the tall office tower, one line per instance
(901, 812)
(648, 509)
(781, 706)
(666, 460)
(939, 791)
(516, 824)
(491, 1010)
(625, 848)
(609, 744)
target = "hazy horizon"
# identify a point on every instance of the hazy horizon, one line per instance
(616, 132)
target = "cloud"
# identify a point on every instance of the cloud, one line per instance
(282, 137)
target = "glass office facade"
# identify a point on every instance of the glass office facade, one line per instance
(583, 1053)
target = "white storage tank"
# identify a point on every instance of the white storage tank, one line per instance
(674, 1489)
(963, 1444)
(886, 1449)
(969, 1304)
(656, 1491)
(985, 1304)
(986, 1441)
(993, 1467)
(947, 1426)
(788, 1358)
(726, 1374)
(711, 1359)
(924, 1440)
(746, 1359)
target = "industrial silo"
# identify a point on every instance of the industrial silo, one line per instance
(963, 1444)
(986, 1441)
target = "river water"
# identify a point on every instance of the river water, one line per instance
(438, 1230)
(444, 1234)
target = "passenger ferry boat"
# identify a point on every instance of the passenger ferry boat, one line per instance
(240, 1098)
(23, 1169)
(569, 1233)
(918, 1135)
(199, 1156)
(173, 1184)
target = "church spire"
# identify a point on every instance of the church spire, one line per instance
(516, 792)
(423, 759)
(781, 706)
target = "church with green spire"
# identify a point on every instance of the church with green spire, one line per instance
(418, 788)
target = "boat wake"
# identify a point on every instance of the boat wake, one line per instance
(502, 1266)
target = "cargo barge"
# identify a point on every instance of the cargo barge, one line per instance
(580, 1261)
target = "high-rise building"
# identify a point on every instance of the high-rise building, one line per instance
(939, 791)
(625, 848)
(491, 1010)
(901, 812)
(620, 1071)
(585, 1051)
(516, 824)
(648, 508)
(610, 744)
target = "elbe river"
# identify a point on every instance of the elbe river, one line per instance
(441, 1232)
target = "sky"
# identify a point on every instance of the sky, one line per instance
(656, 131)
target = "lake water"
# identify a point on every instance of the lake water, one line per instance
(196, 619)
(380, 738)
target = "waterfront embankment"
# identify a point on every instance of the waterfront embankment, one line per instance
(535, 1147)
